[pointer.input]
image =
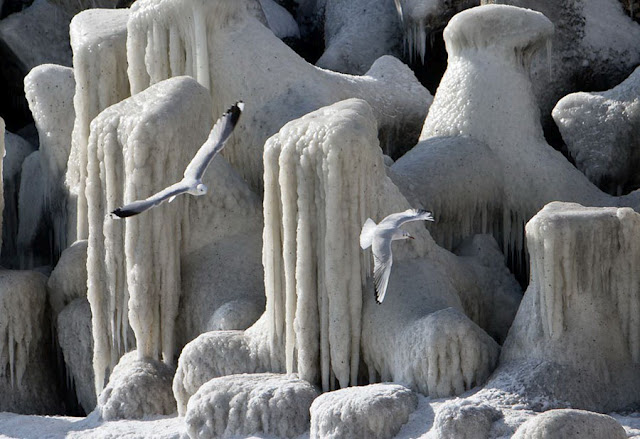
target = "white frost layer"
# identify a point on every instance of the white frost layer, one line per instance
(68, 280)
(98, 41)
(133, 266)
(138, 387)
(280, 21)
(465, 418)
(165, 40)
(242, 405)
(602, 133)
(376, 411)
(570, 424)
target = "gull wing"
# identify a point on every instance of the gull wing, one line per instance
(395, 220)
(382, 261)
(154, 200)
(215, 142)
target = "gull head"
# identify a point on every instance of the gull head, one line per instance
(201, 189)
(406, 235)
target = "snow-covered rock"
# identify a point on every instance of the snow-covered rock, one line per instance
(242, 405)
(138, 387)
(570, 424)
(98, 41)
(575, 340)
(465, 419)
(376, 411)
(602, 133)
(76, 343)
(68, 280)
(357, 32)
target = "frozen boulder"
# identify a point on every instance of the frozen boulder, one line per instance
(76, 343)
(68, 280)
(575, 340)
(279, 20)
(138, 387)
(376, 411)
(465, 419)
(242, 405)
(602, 133)
(570, 424)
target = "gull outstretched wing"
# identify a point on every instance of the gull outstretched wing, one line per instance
(395, 220)
(382, 261)
(139, 206)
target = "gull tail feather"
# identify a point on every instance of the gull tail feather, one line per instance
(366, 235)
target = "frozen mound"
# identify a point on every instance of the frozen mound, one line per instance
(279, 20)
(595, 47)
(138, 387)
(98, 41)
(602, 133)
(465, 419)
(570, 424)
(356, 33)
(286, 88)
(133, 266)
(242, 405)
(68, 280)
(49, 90)
(376, 411)
(27, 378)
(76, 343)
(484, 122)
(575, 340)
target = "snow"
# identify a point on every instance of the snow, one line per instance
(465, 418)
(376, 411)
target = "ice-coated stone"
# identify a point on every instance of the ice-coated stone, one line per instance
(138, 387)
(241, 405)
(76, 343)
(68, 280)
(602, 133)
(465, 419)
(570, 424)
(376, 411)
(576, 340)
(357, 32)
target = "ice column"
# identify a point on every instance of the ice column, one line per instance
(133, 265)
(98, 41)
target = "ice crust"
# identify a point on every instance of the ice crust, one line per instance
(570, 424)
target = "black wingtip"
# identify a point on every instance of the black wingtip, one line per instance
(377, 296)
(122, 213)
(235, 111)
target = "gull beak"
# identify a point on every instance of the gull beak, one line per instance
(411, 237)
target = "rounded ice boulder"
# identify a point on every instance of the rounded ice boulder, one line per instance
(465, 419)
(570, 424)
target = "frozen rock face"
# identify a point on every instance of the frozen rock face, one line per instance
(98, 40)
(465, 419)
(595, 47)
(286, 88)
(376, 411)
(68, 280)
(356, 33)
(27, 378)
(242, 405)
(76, 343)
(49, 89)
(138, 387)
(570, 424)
(602, 133)
(574, 340)
(133, 266)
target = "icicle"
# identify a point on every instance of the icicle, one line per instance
(202, 55)
(549, 46)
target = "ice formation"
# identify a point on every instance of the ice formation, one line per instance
(138, 387)
(570, 424)
(376, 411)
(31, 211)
(98, 41)
(465, 419)
(357, 32)
(284, 88)
(243, 405)
(279, 20)
(68, 280)
(602, 133)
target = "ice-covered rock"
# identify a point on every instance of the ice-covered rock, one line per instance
(138, 387)
(465, 419)
(286, 87)
(242, 405)
(570, 424)
(376, 411)
(575, 340)
(279, 20)
(357, 32)
(27, 374)
(602, 133)
(68, 280)
(76, 343)
(595, 47)
(98, 41)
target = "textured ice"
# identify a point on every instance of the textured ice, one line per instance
(31, 210)
(279, 20)
(602, 133)
(465, 419)
(138, 387)
(68, 280)
(165, 40)
(570, 424)
(242, 405)
(376, 411)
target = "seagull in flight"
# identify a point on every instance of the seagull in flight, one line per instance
(192, 181)
(379, 237)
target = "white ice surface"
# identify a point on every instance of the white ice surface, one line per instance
(280, 21)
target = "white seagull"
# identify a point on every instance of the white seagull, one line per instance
(192, 181)
(380, 236)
